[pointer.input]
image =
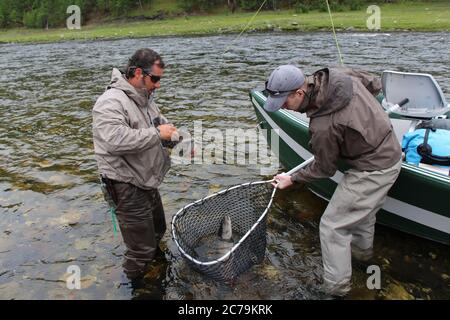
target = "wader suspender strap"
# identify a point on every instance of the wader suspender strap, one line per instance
(112, 206)
(112, 211)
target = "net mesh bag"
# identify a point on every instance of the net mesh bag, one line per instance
(247, 205)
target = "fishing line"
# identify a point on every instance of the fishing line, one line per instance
(248, 24)
(260, 8)
(334, 33)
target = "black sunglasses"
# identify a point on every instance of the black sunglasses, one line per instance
(276, 93)
(153, 78)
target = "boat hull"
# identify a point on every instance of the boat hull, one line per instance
(417, 203)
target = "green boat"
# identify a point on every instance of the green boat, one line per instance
(418, 203)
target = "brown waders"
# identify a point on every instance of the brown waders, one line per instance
(142, 223)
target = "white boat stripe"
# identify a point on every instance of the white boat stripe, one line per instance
(394, 206)
(416, 214)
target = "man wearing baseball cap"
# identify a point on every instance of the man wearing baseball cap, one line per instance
(346, 123)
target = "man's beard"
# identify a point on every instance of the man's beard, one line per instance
(149, 92)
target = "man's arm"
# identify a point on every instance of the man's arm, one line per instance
(325, 144)
(114, 133)
(369, 80)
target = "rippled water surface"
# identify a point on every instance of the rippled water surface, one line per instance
(52, 214)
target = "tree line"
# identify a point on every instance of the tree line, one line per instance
(52, 13)
(300, 5)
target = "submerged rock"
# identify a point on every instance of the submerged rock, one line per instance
(88, 281)
(407, 259)
(427, 290)
(155, 272)
(214, 188)
(82, 244)
(45, 164)
(69, 219)
(396, 291)
(269, 272)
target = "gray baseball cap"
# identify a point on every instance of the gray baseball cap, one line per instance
(282, 81)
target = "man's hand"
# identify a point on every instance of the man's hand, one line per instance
(167, 132)
(283, 181)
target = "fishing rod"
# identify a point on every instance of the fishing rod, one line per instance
(341, 60)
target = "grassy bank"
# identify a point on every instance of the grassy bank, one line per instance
(402, 16)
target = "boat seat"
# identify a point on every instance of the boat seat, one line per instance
(425, 98)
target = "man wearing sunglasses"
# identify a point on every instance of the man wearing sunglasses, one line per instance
(129, 132)
(346, 123)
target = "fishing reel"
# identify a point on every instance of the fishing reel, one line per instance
(171, 144)
(166, 143)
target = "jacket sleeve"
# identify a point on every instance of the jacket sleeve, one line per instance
(325, 146)
(111, 129)
(371, 81)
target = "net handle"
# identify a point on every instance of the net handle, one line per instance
(300, 166)
(197, 262)
(294, 170)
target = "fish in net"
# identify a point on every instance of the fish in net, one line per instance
(197, 226)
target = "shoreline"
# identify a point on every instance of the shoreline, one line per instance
(212, 34)
(422, 17)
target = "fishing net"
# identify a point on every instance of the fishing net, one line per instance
(247, 205)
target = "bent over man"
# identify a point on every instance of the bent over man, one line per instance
(347, 123)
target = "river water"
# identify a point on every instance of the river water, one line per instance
(52, 214)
